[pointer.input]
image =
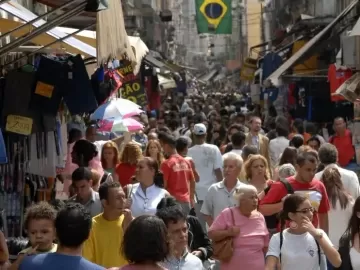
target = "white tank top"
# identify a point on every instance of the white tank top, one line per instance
(355, 258)
(145, 204)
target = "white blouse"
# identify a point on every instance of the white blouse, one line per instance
(145, 203)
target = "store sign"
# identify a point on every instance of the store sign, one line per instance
(19, 124)
(132, 89)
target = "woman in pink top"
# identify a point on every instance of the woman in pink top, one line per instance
(251, 237)
(150, 235)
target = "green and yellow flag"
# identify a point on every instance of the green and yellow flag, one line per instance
(214, 16)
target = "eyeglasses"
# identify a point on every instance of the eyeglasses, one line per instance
(306, 210)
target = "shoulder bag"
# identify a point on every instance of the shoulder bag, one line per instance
(223, 249)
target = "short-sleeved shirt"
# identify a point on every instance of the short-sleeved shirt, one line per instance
(219, 198)
(298, 252)
(249, 244)
(56, 261)
(314, 190)
(94, 205)
(207, 159)
(187, 261)
(178, 175)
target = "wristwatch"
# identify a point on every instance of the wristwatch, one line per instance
(319, 235)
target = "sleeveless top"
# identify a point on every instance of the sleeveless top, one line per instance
(145, 204)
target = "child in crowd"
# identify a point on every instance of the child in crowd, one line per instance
(39, 223)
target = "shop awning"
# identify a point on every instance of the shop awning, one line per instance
(41, 40)
(275, 77)
(72, 44)
(89, 37)
(208, 76)
(166, 82)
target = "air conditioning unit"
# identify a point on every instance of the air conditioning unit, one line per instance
(351, 51)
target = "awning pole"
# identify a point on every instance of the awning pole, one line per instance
(48, 45)
(43, 28)
(36, 19)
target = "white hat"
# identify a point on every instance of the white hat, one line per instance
(199, 129)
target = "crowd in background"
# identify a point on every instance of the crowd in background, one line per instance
(210, 183)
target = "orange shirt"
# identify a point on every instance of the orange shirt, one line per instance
(125, 172)
(345, 147)
(177, 175)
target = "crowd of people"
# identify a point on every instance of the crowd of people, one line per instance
(208, 184)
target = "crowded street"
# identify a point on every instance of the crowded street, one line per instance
(179, 135)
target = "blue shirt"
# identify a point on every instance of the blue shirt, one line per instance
(56, 261)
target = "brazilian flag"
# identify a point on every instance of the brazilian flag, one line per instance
(214, 16)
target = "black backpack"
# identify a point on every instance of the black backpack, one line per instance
(273, 220)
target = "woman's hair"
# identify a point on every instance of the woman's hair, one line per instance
(354, 223)
(297, 141)
(112, 145)
(95, 177)
(160, 156)
(288, 156)
(167, 202)
(331, 178)
(74, 135)
(150, 235)
(158, 178)
(41, 210)
(85, 151)
(307, 149)
(131, 153)
(233, 126)
(251, 159)
(291, 205)
(286, 170)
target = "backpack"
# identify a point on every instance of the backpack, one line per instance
(273, 220)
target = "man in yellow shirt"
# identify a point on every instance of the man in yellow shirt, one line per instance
(103, 247)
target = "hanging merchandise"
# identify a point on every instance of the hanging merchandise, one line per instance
(17, 117)
(78, 94)
(337, 75)
(105, 83)
(96, 5)
(50, 82)
(3, 155)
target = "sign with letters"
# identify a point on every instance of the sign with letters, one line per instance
(132, 89)
(19, 124)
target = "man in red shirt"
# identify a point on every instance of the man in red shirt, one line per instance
(178, 176)
(342, 140)
(304, 183)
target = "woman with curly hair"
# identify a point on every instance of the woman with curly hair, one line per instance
(130, 156)
(257, 172)
(110, 158)
(153, 150)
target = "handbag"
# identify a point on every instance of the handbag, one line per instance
(223, 249)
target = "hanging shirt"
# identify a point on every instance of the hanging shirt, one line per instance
(336, 78)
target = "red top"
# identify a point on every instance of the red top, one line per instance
(315, 191)
(177, 175)
(125, 172)
(336, 78)
(345, 148)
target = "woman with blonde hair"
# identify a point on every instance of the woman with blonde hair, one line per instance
(110, 157)
(153, 150)
(129, 159)
(257, 172)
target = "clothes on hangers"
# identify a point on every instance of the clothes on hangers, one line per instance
(337, 75)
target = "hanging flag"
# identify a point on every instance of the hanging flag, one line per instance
(214, 16)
